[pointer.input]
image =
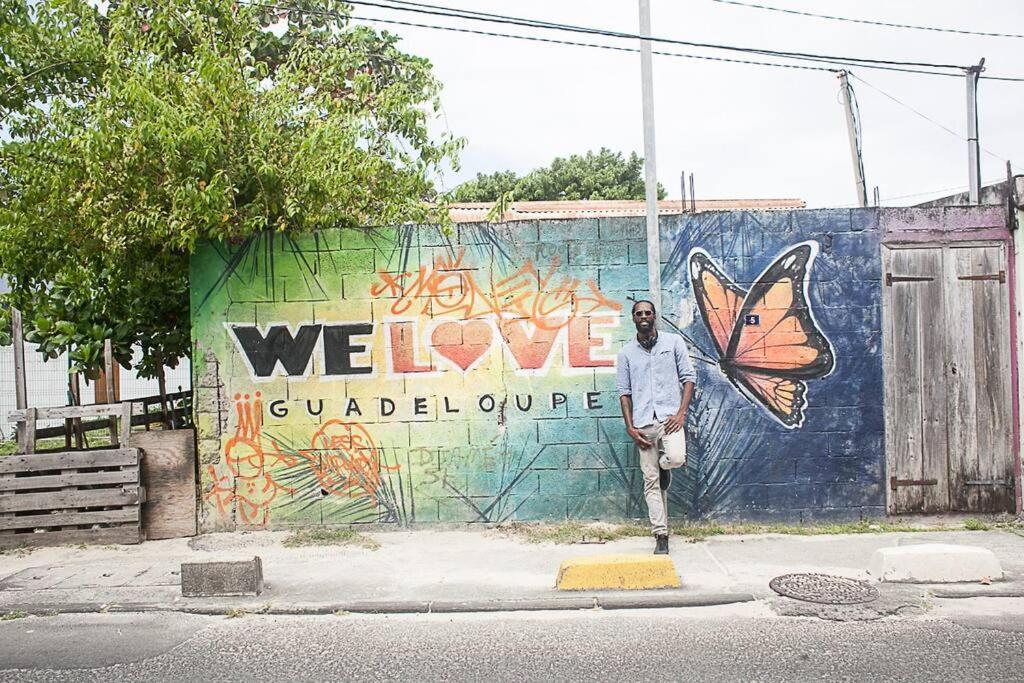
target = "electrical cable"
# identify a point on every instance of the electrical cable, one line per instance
(441, 11)
(572, 43)
(924, 116)
(481, 16)
(423, 8)
(959, 188)
(886, 24)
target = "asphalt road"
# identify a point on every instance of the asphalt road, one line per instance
(689, 644)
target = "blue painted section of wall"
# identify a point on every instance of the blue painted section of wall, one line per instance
(743, 462)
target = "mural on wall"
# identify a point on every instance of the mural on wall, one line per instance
(399, 375)
(767, 341)
(438, 382)
(783, 311)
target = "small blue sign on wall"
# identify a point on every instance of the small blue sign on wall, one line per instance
(752, 320)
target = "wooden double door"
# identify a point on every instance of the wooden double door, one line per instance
(948, 383)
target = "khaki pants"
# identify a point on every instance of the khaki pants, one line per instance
(666, 452)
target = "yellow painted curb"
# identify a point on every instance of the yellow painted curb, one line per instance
(624, 572)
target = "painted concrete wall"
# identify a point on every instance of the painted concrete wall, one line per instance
(822, 454)
(403, 375)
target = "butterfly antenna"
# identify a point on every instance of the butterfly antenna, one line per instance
(704, 356)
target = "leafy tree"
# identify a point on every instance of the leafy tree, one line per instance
(132, 134)
(604, 175)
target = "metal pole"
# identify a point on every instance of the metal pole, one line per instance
(682, 185)
(851, 132)
(973, 158)
(650, 173)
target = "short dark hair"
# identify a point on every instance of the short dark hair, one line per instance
(643, 301)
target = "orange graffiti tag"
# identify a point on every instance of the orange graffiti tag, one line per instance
(547, 299)
(342, 455)
(349, 461)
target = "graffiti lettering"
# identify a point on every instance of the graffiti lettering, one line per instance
(451, 287)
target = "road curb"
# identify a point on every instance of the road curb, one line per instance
(954, 594)
(543, 604)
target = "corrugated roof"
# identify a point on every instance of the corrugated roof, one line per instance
(525, 211)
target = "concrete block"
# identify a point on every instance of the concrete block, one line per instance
(215, 579)
(617, 572)
(934, 563)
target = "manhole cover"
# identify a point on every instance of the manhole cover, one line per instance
(824, 588)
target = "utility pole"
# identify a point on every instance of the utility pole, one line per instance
(851, 132)
(973, 158)
(650, 174)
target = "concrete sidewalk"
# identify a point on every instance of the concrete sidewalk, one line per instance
(456, 571)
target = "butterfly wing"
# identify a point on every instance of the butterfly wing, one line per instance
(782, 396)
(786, 343)
(719, 299)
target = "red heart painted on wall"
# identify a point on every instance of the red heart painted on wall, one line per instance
(463, 343)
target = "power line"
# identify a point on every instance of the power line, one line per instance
(441, 11)
(572, 43)
(868, 21)
(957, 189)
(924, 116)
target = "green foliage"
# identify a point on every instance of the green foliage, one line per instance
(136, 133)
(319, 536)
(604, 175)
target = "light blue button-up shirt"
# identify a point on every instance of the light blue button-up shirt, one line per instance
(654, 378)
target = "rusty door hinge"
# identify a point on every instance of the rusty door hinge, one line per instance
(895, 483)
(890, 278)
(1001, 276)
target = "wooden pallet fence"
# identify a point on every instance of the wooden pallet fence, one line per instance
(71, 497)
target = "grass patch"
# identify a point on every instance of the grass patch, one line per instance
(20, 550)
(8, 447)
(11, 616)
(571, 532)
(236, 613)
(321, 536)
(579, 532)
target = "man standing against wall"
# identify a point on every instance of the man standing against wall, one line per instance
(655, 379)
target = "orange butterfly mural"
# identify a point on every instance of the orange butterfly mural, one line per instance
(767, 339)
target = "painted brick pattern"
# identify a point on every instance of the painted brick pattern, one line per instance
(466, 377)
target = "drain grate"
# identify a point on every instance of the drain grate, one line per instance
(824, 588)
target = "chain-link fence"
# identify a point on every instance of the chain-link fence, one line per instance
(47, 384)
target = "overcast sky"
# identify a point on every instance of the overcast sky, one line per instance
(745, 131)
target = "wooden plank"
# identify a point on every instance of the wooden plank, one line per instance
(108, 376)
(70, 460)
(18, 338)
(963, 378)
(906, 408)
(79, 498)
(65, 412)
(889, 375)
(123, 515)
(126, 423)
(992, 389)
(138, 420)
(27, 432)
(128, 534)
(169, 477)
(76, 400)
(53, 481)
(931, 320)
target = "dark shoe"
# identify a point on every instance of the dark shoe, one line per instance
(661, 544)
(665, 479)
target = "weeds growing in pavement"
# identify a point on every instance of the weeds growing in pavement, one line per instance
(323, 536)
